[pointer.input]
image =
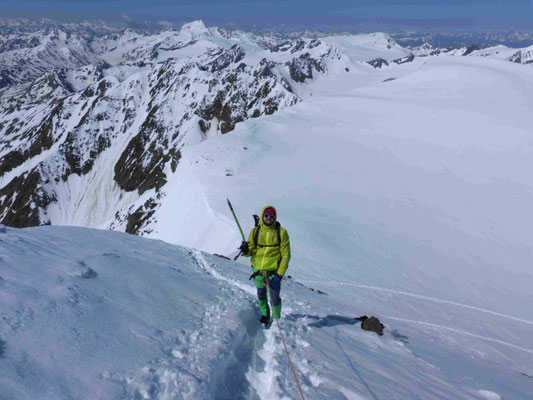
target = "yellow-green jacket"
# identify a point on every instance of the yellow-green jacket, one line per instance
(269, 255)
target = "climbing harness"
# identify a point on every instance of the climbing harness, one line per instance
(281, 334)
(256, 273)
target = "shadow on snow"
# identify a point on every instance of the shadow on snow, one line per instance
(320, 322)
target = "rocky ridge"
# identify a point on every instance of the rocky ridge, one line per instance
(119, 114)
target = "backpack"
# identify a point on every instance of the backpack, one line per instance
(257, 230)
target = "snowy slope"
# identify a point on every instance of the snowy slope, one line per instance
(38, 52)
(367, 46)
(105, 315)
(411, 197)
(406, 191)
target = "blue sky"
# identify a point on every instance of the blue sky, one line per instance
(401, 14)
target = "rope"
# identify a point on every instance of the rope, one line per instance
(281, 334)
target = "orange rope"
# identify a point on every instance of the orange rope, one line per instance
(281, 334)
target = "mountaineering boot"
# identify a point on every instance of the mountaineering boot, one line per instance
(265, 319)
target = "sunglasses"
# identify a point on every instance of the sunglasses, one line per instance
(271, 216)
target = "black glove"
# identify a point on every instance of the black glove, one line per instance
(244, 248)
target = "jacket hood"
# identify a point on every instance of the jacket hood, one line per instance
(263, 211)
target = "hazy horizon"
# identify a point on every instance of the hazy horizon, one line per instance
(341, 15)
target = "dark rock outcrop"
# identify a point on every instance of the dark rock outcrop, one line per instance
(42, 139)
(470, 49)
(404, 60)
(21, 201)
(378, 62)
(233, 55)
(140, 217)
(301, 68)
(141, 165)
(523, 56)
(371, 324)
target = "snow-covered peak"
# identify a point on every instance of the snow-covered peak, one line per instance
(376, 39)
(366, 47)
(195, 29)
(423, 50)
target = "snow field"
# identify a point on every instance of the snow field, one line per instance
(407, 199)
(206, 351)
(100, 314)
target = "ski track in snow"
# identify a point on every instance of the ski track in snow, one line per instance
(418, 296)
(460, 332)
(354, 367)
(199, 259)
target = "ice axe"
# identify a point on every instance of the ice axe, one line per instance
(239, 225)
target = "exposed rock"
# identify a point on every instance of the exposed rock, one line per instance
(301, 68)
(140, 217)
(314, 43)
(21, 199)
(42, 139)
(298, 46)
(236, 102)
(470, 49)
(378, 62)
(141, 165)
(233, 55)
(264, 69)
(516, 57)
(281, 47)
(204, 126)
(302, 285)
(404, 60)
(524, 56)
(371, 324)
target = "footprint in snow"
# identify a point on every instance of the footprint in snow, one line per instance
(87, 273)
(398, 336)
(114, 255)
